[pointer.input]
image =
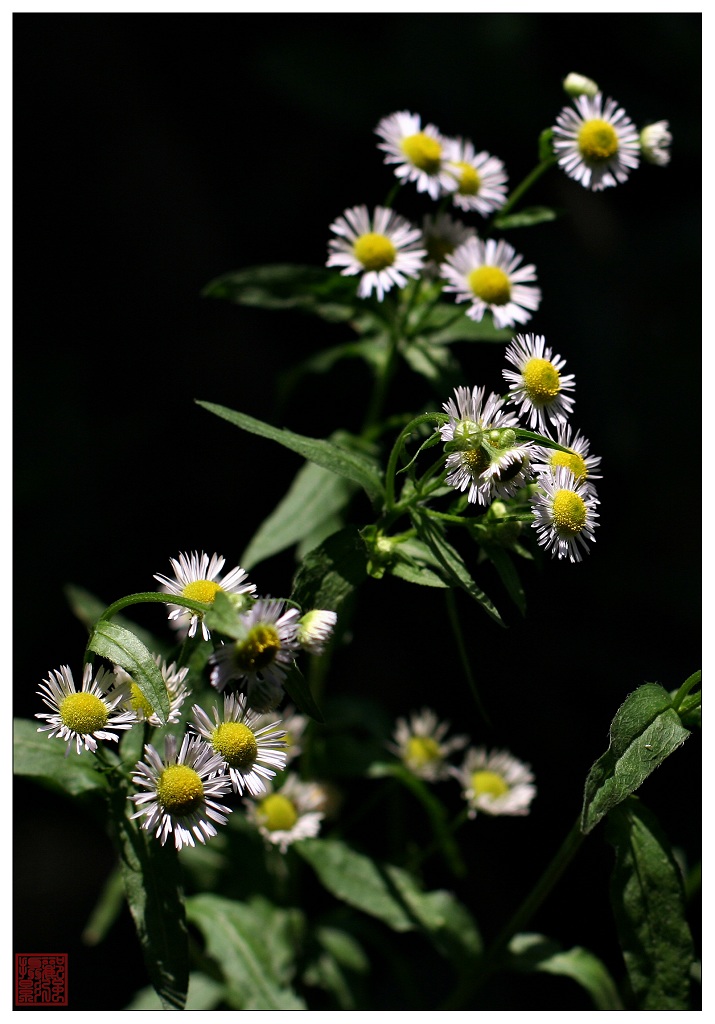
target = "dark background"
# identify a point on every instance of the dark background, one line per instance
(153, 153)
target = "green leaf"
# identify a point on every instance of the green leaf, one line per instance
(123, 648)
(106, 910)
(331, 572)
(503, 564)
(649, 907)
(351, 464)
(38, 757)
(394, 897)
(447, 323)
(526, 218)
(152, 883)
(316, 290)
(530, 952)
(296, 686)
(315, 496)
(204, 994)
(434, 362)
(253, 944)
(451, 562)
(643, 733)
(339, 958)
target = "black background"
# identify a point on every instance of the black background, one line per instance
(153, 153)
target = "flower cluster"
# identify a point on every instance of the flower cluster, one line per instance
(492, 782)
(488, 457)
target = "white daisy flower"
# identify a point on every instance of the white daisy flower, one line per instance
(538, 384)
(288, 814)
(655, 140)
(293, 726)
(441, 235)
(596, 144)
(250, 752)
(85, 716)
(484, 456)
(418, 153)
(480, 179)
(385, 248)
(315, 629)
(494, 782)
(488, 275)
(182, 792)
(261, 656)
(198, 579)
(583, 465)
(579, 85)
(565, 514)
(132, 699)
(421, 745)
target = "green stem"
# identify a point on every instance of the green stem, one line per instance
(521, 918)
(524, 187)
(685, 689)
(427, 417)
(463, 657)
(152, 597)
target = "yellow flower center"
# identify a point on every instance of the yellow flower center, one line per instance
(469, 180)
(139, 704)
(597, 141)
(490, 284)
(542, 382)
(180, 790)
(374, 251)
(476, 460)
(83, 712)
(236, 744)
(422, 151)
(277, 813)
(421, 750)
(572, 461)
(201, 590)
(485, 783)
(569, 512)
(258, 649)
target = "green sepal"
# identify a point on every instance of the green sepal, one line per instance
(39, 757)
(644, 731)
(123, 648)
(527, 218)
(254, 945)
(351, 464)
(153, 887)
(529, 952)
(648, 904)
(317, 290)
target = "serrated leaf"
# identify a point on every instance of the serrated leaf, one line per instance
(37, 756)
(644, 731)
(530, 952)
(124, 648)
(331, 572)
(315, 496)
(393, 896)
(649, 907)
(449, 559)
(152, 883)
(252, 947)
(316, 290)
(351, 464)
(526, 218)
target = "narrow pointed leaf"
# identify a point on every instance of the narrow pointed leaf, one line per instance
(644, 731)
(526, 218)
(648, 904)
(336, 458)
(331, 572)
(316, 290)
(123, 648)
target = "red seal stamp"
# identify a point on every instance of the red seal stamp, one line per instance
(41, 979)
